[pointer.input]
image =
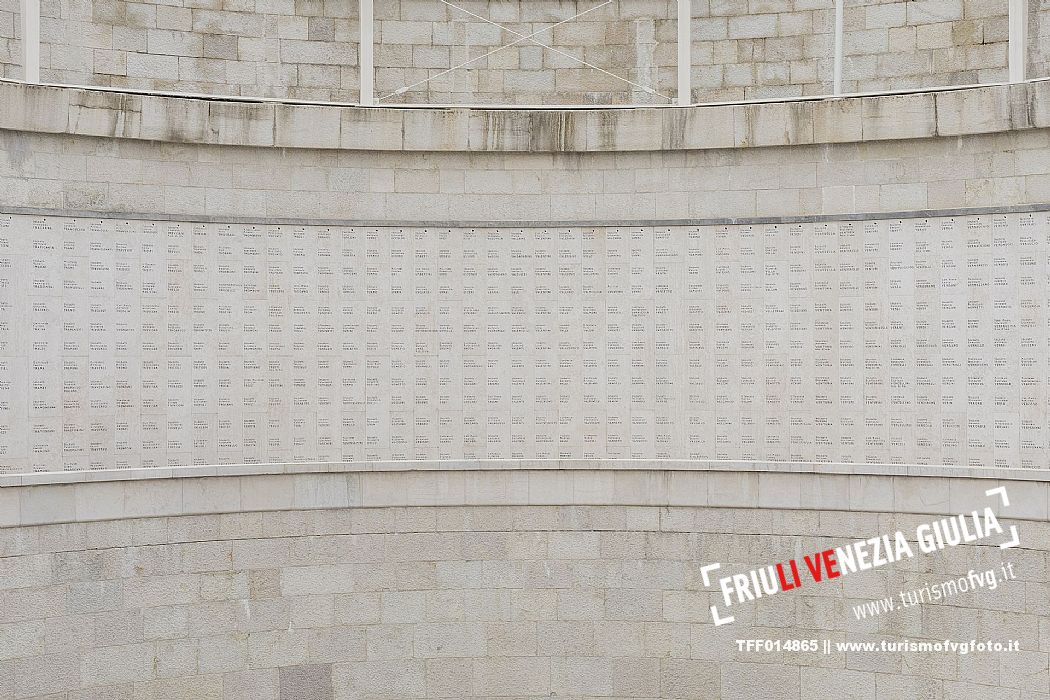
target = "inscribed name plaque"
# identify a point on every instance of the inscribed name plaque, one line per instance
(130, 343)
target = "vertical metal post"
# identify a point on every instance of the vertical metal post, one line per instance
(685, 52)
(837, 87)
(31, 41)
(1018, 46)
(365, 59)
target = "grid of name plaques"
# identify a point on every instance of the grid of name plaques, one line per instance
(144, 344)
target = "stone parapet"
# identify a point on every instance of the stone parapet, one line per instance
(91, 496)
(261, 123)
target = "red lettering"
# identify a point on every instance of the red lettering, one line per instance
(831, 564)
(814, 567)
(784, 585)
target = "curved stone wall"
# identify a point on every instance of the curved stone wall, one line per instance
(525, 582)
(165, 258)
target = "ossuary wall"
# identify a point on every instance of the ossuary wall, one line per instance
(906, 341)
(791, 304)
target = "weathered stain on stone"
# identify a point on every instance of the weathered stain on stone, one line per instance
(16, 148)
(674, 128)
(552, 131)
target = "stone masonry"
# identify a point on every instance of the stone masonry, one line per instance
(278, 602)
(752, 50)
(10, 44)
(633, 39)
(897, 45)
(302, 49)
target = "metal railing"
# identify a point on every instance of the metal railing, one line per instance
(1017, 50)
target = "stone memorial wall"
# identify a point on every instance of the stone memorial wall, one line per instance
(440, 452)
(131, 343)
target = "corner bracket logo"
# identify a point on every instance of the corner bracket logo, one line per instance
(860, 555)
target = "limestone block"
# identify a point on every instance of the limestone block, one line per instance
(746, 680)
(913, 117)
(211, 495)
(688, 678)
(398, 32)
(991, 111)
(379, 677)
(336, 644)
(116, 664)
(926, 495)
(307, 126)
(779, 490)
(161, 590)
(317, 580)
(320, 491)
(508, 675)
(318, 52)
(175, 18)
(449, 639)
(752, 26)
(313, 682)
(174, 43)
(733, 489)
(176, 658)
(41, 504)
(10, 508)
(142, 65)
(633, 604)
(1027, 501)
(38, 675)
(449, 677)
(583, 676)
(152, 498)
(267, 493)
(370, 126)
(821, 682)
(870, 493)
(204, 687)
(206, 21)
(26, 571)
(108, 62)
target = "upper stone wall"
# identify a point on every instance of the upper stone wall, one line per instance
(762, 48)
(308, 49)
(891, 45)
(10, 45)
(298, 49)
(632, 41)
(1039, 39)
